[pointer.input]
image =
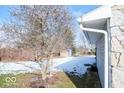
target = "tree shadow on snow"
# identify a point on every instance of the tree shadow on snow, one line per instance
(89, 78)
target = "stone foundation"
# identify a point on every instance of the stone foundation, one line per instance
(117, 46)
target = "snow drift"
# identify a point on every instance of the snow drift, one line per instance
(68, 64)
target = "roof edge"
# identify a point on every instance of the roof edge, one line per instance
(98, 13)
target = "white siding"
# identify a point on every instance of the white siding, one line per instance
(100, 59)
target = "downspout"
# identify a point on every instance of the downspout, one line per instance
(106, 51)
(109, 53)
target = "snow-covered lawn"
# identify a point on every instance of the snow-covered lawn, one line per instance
(68, 64)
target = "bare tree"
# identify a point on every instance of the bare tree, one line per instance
(44, 29)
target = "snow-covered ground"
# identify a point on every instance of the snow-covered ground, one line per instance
(68, 64)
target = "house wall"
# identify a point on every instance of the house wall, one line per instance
(117, 46)
(100, 58)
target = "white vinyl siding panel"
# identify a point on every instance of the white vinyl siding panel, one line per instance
(100, 59)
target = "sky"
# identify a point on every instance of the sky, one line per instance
(4, 13)
(79, 10)
(76, 10)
